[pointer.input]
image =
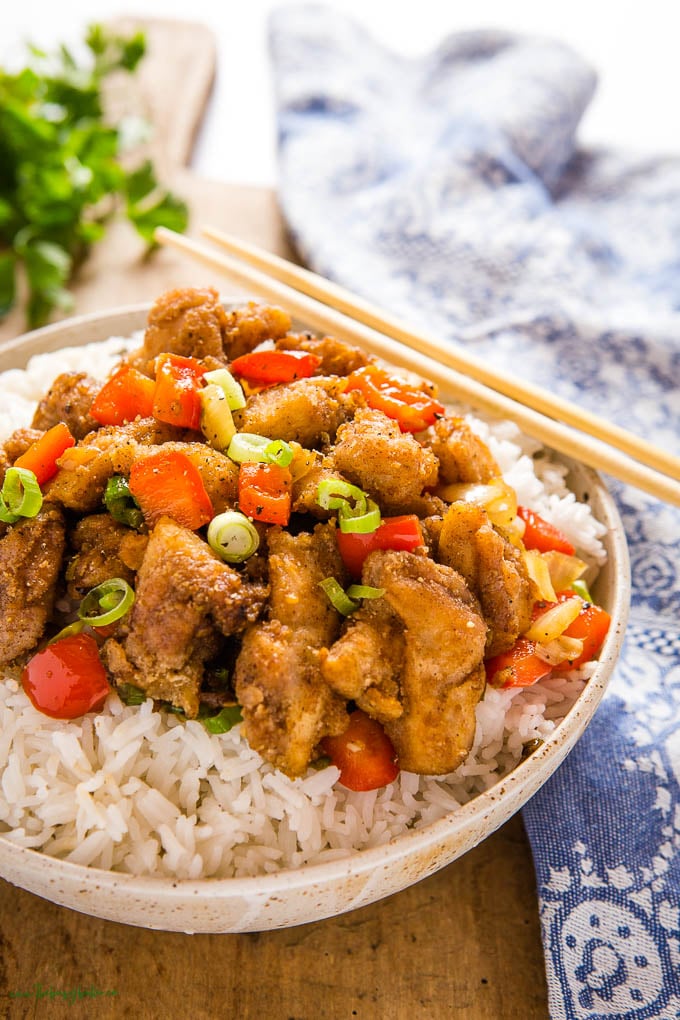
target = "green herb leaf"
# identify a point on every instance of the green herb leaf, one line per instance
(226, 719)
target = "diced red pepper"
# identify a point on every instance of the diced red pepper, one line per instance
(176, 397)
(392, 533)
(413, 409)
(264, 492)
(590, 626)
(66, 679)
(41, 457)
(541, 535)
(518, 667)
(363, 753)
(168, 483)
(267, 368)
(125, 395)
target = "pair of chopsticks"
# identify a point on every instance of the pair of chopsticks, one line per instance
(329, 308)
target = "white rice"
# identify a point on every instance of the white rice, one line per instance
(137, 790)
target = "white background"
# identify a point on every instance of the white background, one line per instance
(634, 47)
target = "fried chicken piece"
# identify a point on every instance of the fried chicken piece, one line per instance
(390, 465)
(462, 455)
(14, 446)
(31, 553)
(414, 659)
(186, 600)
(252, 324)
(103, 549)
(85, 469)
(307, 411)
(218, 473)
(69, 400)
(287, 707)
(189, 321)
(493, 568)
(337, 357)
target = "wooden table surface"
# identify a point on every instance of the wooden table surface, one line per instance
(464, 943)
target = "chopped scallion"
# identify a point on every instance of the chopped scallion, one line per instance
(334, 494)
(362, 524)
(279, 452)
(121, 504)
(581, 588)
(224, 720)
(233, 536)
(338, 598)
(364, 591)
(20, 495)
(247, 446)
(114, 596)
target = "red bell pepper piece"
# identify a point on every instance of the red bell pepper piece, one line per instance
(392, 533)
(176, 397)
(412, 408)
(541, 535)
(264, 492)
(590, 626)
(267, 368)
(518, 667)
(168, 483)
(66, 679)
(125, 395)
(363, 753)
(41, 457)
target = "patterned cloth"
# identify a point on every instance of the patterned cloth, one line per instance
(451, 190)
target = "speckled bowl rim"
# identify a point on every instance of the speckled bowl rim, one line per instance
(488, 810)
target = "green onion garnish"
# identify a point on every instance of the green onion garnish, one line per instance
(233, 390)
(581, 588)
(279, 452)
(364, 591)
(226, 719)
(233, 536)
(247, 446)
(338, 598)
(334, 494)
(72, 628)
(131, 695)
(115, 597)
(363, 524)
(20, 495)
(121, 504)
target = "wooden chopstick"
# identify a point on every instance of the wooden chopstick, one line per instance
(449, 354)
(590, 449)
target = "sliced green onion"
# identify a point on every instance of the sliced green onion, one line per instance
(73, 628)
(334, 493)
(581, 588)
(338, 598)
(364, 591)
(233, 536)
(115, 597)
(279, 452)
(224, 720)
(121, 504)
(247, 446)
(363, 524)
(20, 495)
(233, 390)
(131, 695)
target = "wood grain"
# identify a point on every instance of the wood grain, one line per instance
(463, 944)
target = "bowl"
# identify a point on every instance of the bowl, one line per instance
(315, 891)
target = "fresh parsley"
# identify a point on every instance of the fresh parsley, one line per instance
(62, 175)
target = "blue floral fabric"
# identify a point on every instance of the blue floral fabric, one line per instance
(451, 189)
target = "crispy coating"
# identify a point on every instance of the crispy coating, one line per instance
(462, 455)
(68, 400)
(188, 321)
(493, 568)
(15, 445)
(420, 647)
(337, 357)
(287, 707)
(103, 549)
(390, 465)
(307, 411)
(31, 554)
(186, 598)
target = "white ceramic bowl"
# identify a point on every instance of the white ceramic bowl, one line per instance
(313, 892)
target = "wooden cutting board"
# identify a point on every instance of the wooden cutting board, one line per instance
(463, 944)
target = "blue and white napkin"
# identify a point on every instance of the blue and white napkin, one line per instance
(452, 190)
